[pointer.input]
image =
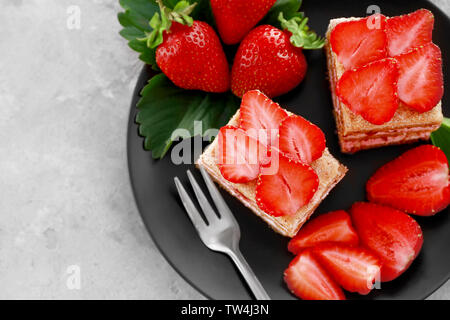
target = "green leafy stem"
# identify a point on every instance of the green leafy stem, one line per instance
(441, 137)
(165, 108)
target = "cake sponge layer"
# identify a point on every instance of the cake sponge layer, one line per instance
(355, 133)
(328, 169)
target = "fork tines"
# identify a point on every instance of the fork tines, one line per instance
(210, 214)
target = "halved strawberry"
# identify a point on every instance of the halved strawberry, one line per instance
(409, 31)
(261, 117)
(392, 235)
(371, 91)
(421, 82)
(288, 188)
(301, 140)
(239, 156)
(416, 182)
(359, 42)
(355, 269)
(334, 226)
(308, 280)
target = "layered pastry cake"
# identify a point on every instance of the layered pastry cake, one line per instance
(307, 172)
(386, 79)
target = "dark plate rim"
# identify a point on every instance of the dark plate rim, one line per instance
(131, 129)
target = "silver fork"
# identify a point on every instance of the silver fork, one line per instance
(221, 233)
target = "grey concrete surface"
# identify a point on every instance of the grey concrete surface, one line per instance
(67, 212)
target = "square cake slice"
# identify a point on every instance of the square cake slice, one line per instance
(327, 168)
(355, 133)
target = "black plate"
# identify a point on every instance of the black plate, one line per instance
(212, 273)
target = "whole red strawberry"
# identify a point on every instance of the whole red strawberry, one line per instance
(188, 52)
(235, 18)
(271, 60)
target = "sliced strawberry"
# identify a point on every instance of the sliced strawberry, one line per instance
(261, 117)
(359, 42)
(392, 235)
(239, 156)
(416, 182)
(409, 31)
(301, 140)
(334, 226)
(290, 186)
(371, 91)
(421, 84)
(355, 269)
(308, 280)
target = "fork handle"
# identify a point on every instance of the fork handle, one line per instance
(249, 275)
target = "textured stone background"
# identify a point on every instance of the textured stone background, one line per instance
(65, 193)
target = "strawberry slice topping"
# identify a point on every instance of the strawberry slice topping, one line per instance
(301, 140)
(371, 91)
(359, 42)
(409, 31)
(239, 156)
(355, 269)
(416, 182)
(260, 117)
(289, 186)
(334, 226)
(392, 235)
(308, 280)
(421, 84)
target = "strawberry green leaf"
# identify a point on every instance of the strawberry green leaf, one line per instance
(135, 21)
(441, 137)
(164, 108)
(301, 35)
(289, 8)
(285, 15)
(161, 21)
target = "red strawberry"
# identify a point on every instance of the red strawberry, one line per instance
(287, 189)
(272, 60)
(258, 113)
(359, 42)
(371, 91)
(235, 18)
(301, 140)
(239, 156)
(308, 280)
(421, 84)
(392, 235)
(416, 182)
(189, 53)
(409, 31)
(334, 226)
(355, 269)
